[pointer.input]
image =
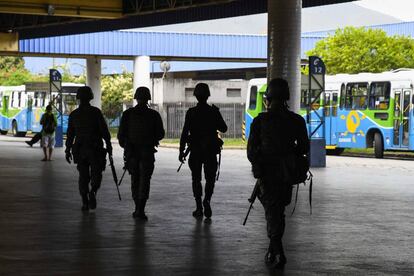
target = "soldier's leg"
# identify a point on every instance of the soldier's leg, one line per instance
(135, 183)
(146, 168)
(84, 178)
(96, 180)
(195, 164)
(275, 218)
(210, 171)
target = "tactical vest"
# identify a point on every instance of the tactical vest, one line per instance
(277, 135)
(141, 127)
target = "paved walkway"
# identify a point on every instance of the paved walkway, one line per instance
(362, 222)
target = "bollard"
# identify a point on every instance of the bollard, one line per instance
(59, 137)
(317, 153)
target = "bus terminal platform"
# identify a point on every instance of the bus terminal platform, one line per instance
(362, 221)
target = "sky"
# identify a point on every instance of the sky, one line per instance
(358, 13)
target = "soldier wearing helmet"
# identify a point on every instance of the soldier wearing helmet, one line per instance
(274, 136)
(200, 134)
(86, 130)
(139, 133)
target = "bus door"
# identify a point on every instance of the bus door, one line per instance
(401, 122)
(333, 135)
(327, 109)
(29, 112)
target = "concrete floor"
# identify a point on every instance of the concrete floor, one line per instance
(362, 222)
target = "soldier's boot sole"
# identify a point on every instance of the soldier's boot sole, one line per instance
(92, 200)
(207, 208)
(139, 215)
(198, 213)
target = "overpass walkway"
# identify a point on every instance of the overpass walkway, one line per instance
(362, 222)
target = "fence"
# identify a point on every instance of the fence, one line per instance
(174, 116)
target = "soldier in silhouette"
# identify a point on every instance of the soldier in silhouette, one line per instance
(86, 130)
(200, 133)
(275, 135)
(140, 131)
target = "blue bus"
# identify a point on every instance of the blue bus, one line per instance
(366, 110)
(21, 107)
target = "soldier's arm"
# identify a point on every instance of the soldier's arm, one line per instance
(221, 124)
(253, 142)
(253, 148)
(105, 132)
(159, 128)
(185, 134)
(70, 134)
(302, 138)
(122, 131)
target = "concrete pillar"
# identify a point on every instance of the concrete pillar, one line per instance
(284, 47)
(93, 79)
(142, 72)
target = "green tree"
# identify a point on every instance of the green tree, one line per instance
(12, 71)
(354, 50)
(116, 89)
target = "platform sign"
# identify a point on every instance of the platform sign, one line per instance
(55, 85)
(315, 114)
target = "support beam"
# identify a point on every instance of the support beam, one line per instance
(93, 79)
(284, 56)
(142, 72)
(101, 9)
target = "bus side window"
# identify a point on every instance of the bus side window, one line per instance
(343, 96)
(253, 98)
(397, 100)
(356, 95)
(327, 104)
(19, 97)
(334, 104)
(304, 99)
(379, 95)
(12, 100)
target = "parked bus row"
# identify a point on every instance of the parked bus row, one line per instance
(21, 107)
(366, 110)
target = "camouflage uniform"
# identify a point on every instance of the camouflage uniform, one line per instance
(140, 131)
(274, 135)
(86, 129)
(200, 131)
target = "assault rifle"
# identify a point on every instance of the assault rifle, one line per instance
(252, 199)
(111, 163)
(186, 153)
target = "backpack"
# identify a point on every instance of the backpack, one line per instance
(49, 123)
(300, 174)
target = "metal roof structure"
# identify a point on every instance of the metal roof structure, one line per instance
(157, 45)
(403, 29)
(135, 14)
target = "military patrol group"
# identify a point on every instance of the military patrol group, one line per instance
(141, 130)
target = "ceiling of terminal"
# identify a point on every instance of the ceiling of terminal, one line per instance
(42, 18)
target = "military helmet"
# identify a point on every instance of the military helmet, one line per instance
(202, 90)
(277, 89)
(84, 93)
(142, 94)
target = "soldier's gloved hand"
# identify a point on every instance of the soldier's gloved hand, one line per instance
(181, 157)
(109, 149)
(68, 157)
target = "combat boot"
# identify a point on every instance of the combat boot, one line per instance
(275, 255)
(207, 208)
(85, 202)
(198, 212)
(140, 210)
(92, 200)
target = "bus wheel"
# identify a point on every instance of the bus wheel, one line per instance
(15, 130)
(378, 145)
(3, 132)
